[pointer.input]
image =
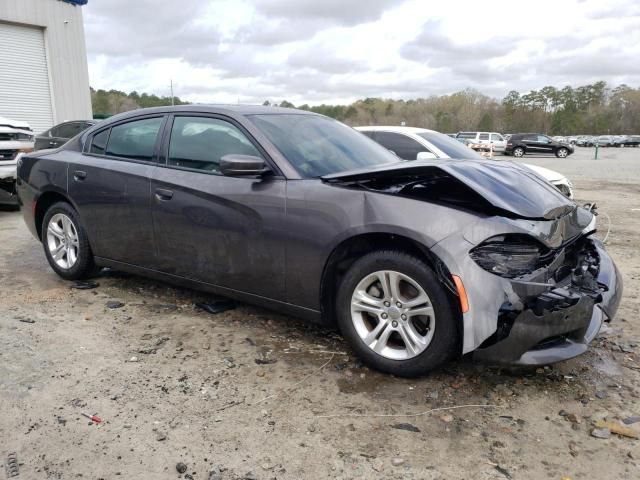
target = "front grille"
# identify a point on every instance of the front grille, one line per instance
(6, 155)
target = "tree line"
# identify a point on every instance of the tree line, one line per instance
(588, 109)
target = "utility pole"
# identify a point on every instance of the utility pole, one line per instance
(171, 92)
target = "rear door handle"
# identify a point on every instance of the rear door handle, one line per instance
(79, 175)
(163, 194)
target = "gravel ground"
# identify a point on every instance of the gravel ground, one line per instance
(252, 394)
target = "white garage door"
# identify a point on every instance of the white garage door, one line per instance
(24, 77)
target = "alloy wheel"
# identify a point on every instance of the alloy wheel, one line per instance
(62, 241)
(393, 315)
(562, 153)
(518, 152)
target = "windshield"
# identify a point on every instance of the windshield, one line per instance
(452, 148)
(317, 146)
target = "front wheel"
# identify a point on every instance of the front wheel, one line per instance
(395, 314)
(66, 244)
(562, 153)
(518, 152)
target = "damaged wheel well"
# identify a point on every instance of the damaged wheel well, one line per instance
(352, 248)
(44, 202)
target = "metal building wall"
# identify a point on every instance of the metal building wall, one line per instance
(65, 51)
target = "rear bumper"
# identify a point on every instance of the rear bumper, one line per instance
(563, 322)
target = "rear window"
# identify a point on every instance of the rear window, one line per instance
(134, 140)
(466, 135)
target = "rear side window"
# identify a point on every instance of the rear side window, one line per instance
(135, 140)
(466, 135)
(403, 146)
(99, 142)
(70, 130)
(200, 143)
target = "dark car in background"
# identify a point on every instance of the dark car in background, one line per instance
(416, 262)
(520, 144)
(60, 134)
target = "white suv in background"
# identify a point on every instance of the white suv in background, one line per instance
(16, 138)
(410, 143)
(498, 141)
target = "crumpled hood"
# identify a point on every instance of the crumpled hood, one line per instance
(506, 186)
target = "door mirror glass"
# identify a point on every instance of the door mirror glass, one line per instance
(425, 156)
(243, 166)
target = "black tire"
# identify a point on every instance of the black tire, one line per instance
(559, 152)
(445, 343)
(84, 266)
(518, 152)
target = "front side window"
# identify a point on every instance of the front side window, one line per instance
(543, 139)
(317, 146)
(134, 140)
(403, 146)
(200, 143)
(496, 137)
(99, 142)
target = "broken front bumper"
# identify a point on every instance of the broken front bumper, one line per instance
(558, 324)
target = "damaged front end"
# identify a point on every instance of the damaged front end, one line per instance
(561, 307)
(538, 284)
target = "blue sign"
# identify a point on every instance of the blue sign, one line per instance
(76, 2)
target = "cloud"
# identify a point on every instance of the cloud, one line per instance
(122, 28)
(339, 12)
(437, 49)
(336, 51)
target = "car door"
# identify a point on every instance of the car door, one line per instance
(109, 184)
(213, 228)
(403, 146)
(498, 141)
(531, 143)
(545, 144)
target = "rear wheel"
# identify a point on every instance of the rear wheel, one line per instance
(395, 314)
(562, 153)
(65, 242)
(518, 152)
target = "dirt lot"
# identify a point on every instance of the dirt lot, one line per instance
(175, 384)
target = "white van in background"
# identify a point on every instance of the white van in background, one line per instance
(498, 141)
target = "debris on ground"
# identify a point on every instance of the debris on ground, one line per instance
(265, 361)
(631, 420)
(26, 320)
(618, 429)
(113, 304)
(181, 467)
(406, 426)
(11, 465)
(397, 461)
(93, 418)
(603, 433)
(84, 285)
(218, 305)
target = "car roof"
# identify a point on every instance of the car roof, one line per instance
(216, 108)
(395, 129)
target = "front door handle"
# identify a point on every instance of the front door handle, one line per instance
(163, 194)
(79, 175)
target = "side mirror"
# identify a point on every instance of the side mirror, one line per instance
(243, 166)
(425, 156)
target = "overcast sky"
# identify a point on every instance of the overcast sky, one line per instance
(337, 51)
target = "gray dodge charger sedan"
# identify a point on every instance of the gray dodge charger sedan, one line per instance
(415, 262)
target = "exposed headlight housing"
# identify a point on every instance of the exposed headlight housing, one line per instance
(510, 256)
